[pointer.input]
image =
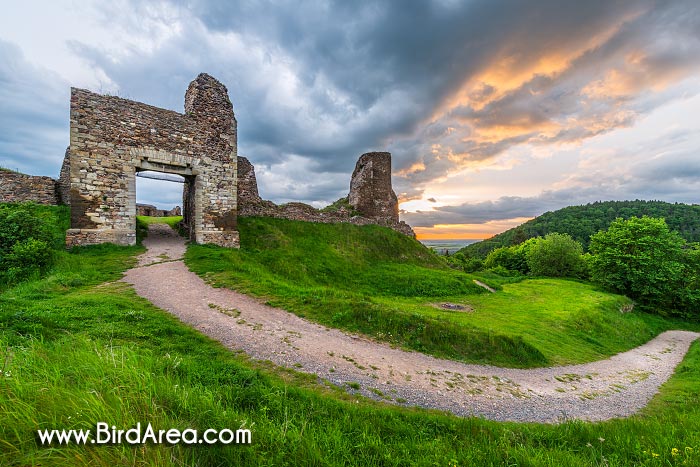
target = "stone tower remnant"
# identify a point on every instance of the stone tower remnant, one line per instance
(371, 193)
(113, 138)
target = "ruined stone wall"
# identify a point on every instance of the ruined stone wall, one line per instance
(382, 210)
(176, 211)
(304, 212)
(147, 210)
(247, 183)
(112, 138)
(64, 179)
(16, 188)
(153, 211)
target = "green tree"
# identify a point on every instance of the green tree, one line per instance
(642, 258)
(556, 255)
(690, 292)
(513, 258)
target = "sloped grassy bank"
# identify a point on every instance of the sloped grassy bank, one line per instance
(375, 281)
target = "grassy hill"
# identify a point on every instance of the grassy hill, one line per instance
(385, 285)
(583, 221)
(78, 347)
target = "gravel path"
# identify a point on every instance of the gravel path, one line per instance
(616, 387)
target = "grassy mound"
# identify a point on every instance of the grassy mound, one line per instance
(375, 281)
(142, 223)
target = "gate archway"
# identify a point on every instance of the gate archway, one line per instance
(113, 138)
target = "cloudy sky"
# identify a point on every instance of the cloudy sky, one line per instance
(495, 112)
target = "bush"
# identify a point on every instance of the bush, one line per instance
(503, 272)
(508, 257)
(556, 255)
(19, 222)
(689, 294)
(642, 258)
(27, 257)
(513, 257)
(464, 262)
(26, 241)
(473, 265)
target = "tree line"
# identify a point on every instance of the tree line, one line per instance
(580, 222)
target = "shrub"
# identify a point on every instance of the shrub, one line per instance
(19, 222)
(503, 272)
(26, 241)
(513, 257)
(642, 258)
(27, 257)
(507, 257)
(556, 255)
(473, 265)
(464, 262)
(689, 294)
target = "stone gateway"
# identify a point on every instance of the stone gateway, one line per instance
(113, 138)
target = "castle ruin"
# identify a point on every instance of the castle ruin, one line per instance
(112, 139)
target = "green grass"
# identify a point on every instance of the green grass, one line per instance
(172, 221)
(568, 321)
(375, 281)
(75, 351)
(142, 223)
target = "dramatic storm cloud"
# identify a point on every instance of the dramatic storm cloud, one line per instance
(494, 111)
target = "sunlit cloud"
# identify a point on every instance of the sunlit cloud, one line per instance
(565, 94)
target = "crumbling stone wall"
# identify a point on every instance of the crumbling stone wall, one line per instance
(16, 188)
(112, 138)
(247, 183)
(150, 210)
(147, 210)
(370, 189)
(63, 182)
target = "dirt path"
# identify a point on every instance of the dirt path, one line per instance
(616, 387)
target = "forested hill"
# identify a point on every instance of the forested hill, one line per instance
(582, 221)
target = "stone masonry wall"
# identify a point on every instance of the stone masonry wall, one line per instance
(150, 210)
(16, 188)
(112, 138)
(247, 183)
(253, 205)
